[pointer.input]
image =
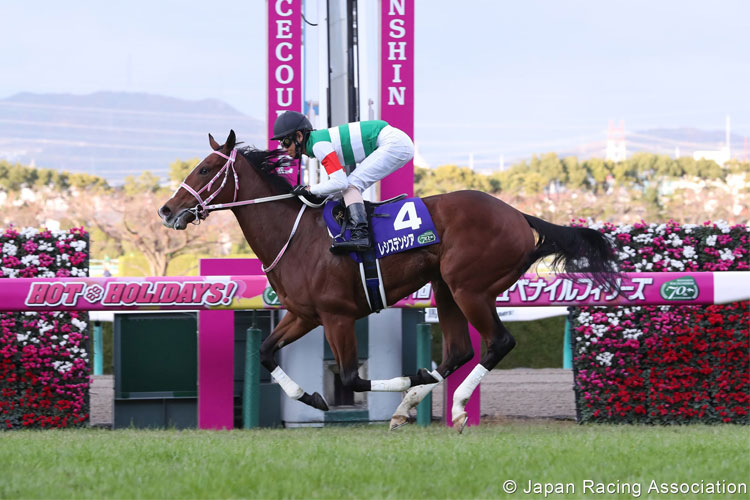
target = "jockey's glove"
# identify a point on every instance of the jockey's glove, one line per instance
(304, 191)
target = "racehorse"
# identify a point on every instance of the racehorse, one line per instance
(485, 247)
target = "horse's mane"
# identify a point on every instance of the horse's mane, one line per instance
(266, 161)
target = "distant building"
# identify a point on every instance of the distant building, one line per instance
(720, 157)
(724, 154)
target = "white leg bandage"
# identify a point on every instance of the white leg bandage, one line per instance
(463, 393)
(289, 386)
(416, 395)
(397, 384)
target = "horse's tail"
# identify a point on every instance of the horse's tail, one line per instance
(575, 250)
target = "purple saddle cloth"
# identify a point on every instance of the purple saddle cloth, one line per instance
(396, 227)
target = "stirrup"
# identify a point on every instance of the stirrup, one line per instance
(344, 247)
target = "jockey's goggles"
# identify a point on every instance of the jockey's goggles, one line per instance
(287, 141)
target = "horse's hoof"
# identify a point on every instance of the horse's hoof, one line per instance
(398, 421)
(318, 402)
(460, 422)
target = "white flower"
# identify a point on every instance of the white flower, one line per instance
(688, 252)
(62, 366)
(28, 232)
(78, 272)
(10, 249)
(643, 239)
(81, 325)
(723, 225)
(726, 254)
(689, 228)
(605, 358)
(10, 273)
(676, 241)
(631, 333)
(711, 240)
(30, 259)
(45, 246)
(44, 327)
(79, 245)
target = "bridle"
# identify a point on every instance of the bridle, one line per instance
(202, 209)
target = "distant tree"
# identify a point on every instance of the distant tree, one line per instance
(131, 221)
(576, 174)
(87, 181)
(447, 178)
(146, 182)
(180, 169)
(598, 171)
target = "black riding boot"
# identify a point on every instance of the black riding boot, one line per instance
(357, 222)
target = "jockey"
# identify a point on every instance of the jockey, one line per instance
(373, 149)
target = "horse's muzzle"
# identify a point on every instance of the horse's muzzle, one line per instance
(179, 221)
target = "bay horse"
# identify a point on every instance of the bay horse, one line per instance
(485, 247)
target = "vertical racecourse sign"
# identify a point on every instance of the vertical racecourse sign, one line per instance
(284, 65)
(397, 83)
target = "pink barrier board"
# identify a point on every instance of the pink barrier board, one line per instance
(253, 292)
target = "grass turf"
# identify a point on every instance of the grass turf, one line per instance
(367, 461)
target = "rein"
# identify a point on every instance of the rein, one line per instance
(202, 209)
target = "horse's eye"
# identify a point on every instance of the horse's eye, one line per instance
(203, 171)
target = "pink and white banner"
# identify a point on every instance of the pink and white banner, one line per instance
(397, 84)
(284, 66)
(670, 288)
(254, 292)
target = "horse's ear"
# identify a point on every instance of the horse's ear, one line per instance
(231, 141)
(214, 145)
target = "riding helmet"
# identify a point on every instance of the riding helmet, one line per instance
(289, 122)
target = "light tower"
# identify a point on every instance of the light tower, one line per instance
(616, 150)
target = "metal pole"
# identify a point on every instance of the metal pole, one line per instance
(424, 359)
(98, 348)
(251, 384)
(567, 351)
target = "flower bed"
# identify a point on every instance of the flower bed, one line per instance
(667, 364)
(44, 373)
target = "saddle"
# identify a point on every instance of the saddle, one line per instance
(396, 225)
(339, 214)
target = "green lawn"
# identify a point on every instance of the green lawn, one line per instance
(367, 462)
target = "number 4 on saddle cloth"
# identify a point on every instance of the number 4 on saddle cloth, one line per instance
(395, 226)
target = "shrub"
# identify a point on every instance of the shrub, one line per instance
(667, 364)
(44, 369)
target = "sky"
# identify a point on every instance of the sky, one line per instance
(494, 78)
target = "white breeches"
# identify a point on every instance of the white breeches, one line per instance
(395, 149)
